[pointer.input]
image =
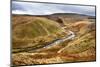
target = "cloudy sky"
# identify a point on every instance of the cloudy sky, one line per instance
(45, 9)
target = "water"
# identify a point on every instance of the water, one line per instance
(70, 36)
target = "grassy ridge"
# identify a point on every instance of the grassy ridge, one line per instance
(27, 33)
(37, 27)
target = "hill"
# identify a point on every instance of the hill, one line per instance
(29, 31)
(55, 38)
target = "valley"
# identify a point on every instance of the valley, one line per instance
(55, 38)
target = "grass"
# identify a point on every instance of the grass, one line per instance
(26, 34)
(37, 27)
(80, 44)
(31, 33)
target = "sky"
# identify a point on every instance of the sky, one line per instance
(46, 9)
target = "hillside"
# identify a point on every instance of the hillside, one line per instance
(55, 38)
(29, 31)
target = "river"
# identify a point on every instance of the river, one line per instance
(69, 36)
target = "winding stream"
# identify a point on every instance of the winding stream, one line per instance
(70, 36)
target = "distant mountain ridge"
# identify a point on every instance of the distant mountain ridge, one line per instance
(55, 14)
